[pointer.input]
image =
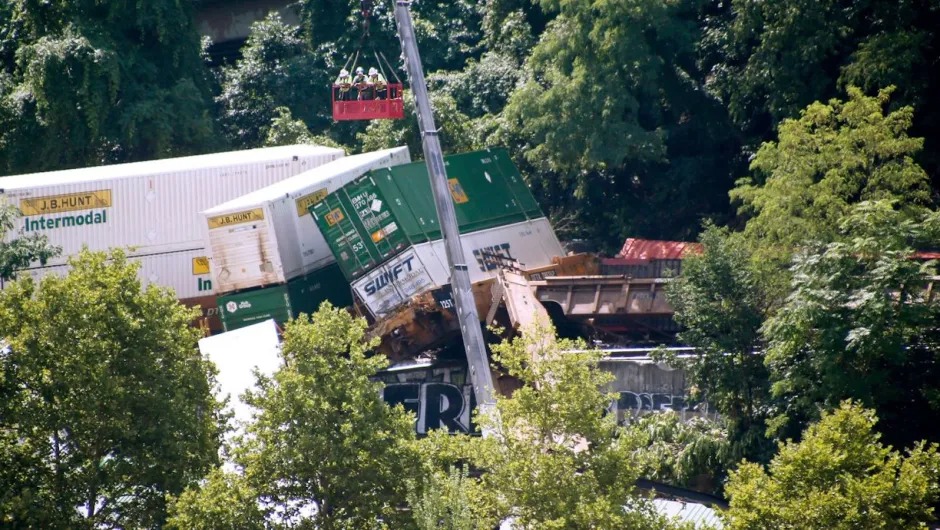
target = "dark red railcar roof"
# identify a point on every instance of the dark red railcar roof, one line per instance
(650, 249)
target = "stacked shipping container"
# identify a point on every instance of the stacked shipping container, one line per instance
(269, 259)
(268, 237)
(383, 228)
(153, 208)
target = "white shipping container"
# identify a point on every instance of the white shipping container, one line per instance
(268, 237)
(186, 272)
(529, 244)
(152, 206)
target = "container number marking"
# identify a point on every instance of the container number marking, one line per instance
(456, 191)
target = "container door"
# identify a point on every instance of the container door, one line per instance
(393, 283)
(334, 217)
(243, 309)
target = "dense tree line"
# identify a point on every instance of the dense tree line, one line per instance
(798, 140)
(647, 111)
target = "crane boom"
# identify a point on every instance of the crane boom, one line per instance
(478, 364)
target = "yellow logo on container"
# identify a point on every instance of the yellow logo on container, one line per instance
(305, 202)
(67, 202)
(335, 216)
(456, 191)
(200, 266)
(248, 216)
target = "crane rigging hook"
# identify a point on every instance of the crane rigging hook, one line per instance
(366, 10)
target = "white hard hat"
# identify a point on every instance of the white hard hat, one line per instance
(373, 71)
(344, 72)
(358, 69)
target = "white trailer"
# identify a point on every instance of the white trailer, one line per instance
(152, 207)
(186, 272)
(268, 237)
(528, 244)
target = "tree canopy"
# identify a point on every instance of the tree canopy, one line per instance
(89, 83)
(106, 403)
(840, 476)
(323, 449)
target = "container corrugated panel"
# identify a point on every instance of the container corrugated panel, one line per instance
(285, 301)
(151, 206)
(374, 218)
(655, 268)
(361, 227)
(486, 187)
(268, 236)
(185, 272)
(529, 244)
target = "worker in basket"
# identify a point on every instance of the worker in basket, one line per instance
(344, 82)
(361, 83)
(379, 84)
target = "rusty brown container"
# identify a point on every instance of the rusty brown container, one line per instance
(210, 321)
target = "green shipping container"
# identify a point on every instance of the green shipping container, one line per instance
(381, 214)
(287, 300)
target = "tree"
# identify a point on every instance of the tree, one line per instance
(721, 304)
(839, 477)
(223, 501)
(692, 454)
(449, 501)
(772, 59)
(276, 70)
(857, 325)
(554, 460)
(612, 112)
(834, 156)
(105, 403)
(483, 87)
(95, 82)
(455, 130)
(287, 131)
(448, 33)
(20, 251)
(323, 450)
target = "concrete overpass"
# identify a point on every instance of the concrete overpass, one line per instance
(228, 22)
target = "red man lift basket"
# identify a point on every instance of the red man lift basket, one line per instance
(389, 107)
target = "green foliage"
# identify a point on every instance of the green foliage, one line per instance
(555, 460)
(771, 59)
(285, 130)
(276, 71)
(106, 404)
(594, 61)
(511, 27)
(613, 119)
(692, 454)
(21, 250)
(835, 155)
(856, 325)
(720, 303)
(450, 501)
(223, 501)
(324, 450)
(95, 82)
(455, 129)
(839, 477)
(483, 87)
